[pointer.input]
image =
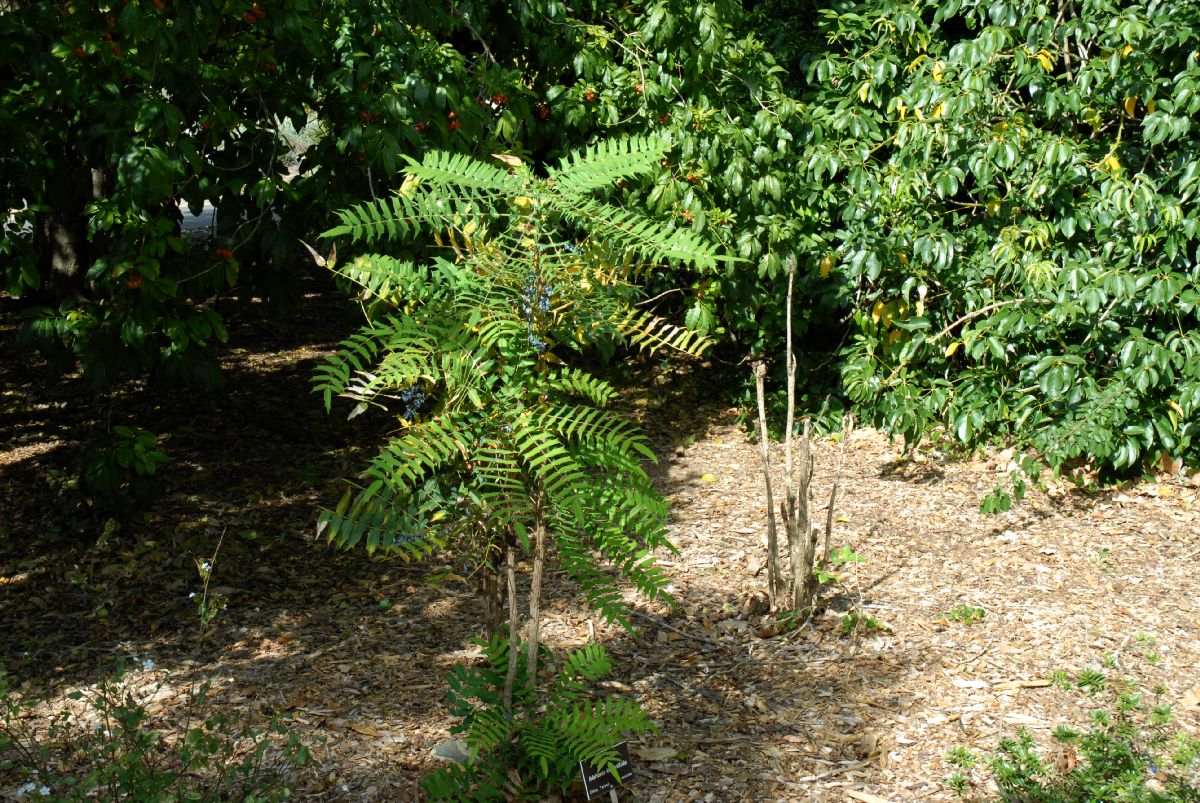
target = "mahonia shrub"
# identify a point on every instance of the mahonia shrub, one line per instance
(502, 445)
(496, 431)
(540, 740)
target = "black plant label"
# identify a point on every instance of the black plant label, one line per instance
(597, 781)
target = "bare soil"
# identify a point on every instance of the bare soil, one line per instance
(352, 651)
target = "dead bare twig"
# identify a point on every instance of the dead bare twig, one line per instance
(847, 426)
(774, 578)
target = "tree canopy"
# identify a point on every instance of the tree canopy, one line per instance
(991, 203)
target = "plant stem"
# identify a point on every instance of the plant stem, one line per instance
(847, 425)
(535, 589)
(510, 565)
(774, 578)
(802, 544)
(789, 494)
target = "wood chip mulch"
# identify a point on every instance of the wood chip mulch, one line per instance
(352, 652)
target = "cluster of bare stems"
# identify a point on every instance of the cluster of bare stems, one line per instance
(799, 591)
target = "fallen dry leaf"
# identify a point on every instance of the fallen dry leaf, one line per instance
(655, 753)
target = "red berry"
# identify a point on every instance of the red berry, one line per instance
(250, 18)
(365, 117)
(638, 88)
(666, 118)
(160, 5)
(420, 127)
(134, 281)
(362, 157)
(591, 96)
(453, 115)
(455, 124)
(78, 52)
(224, 253)
(543, 111)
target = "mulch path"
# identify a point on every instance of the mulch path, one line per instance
(352, 651)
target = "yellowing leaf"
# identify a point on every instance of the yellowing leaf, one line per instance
(938, 72)
(903, 110)
(877, 311)
(939, 110)
(508, 159)
(864, 90)
(953, 348)
(1128, 49)
(1046, 59)
(708, 478)
(409, 185)
(895, 336)
(1150, 106)
(916, 62)
(1131, 106)
(1175, 407)
(1110, 163)
(889, 314)
(920, 307)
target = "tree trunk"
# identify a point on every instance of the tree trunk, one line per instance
(492, 598)
(64, 252)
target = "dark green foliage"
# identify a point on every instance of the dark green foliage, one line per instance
(1009, 198)
(118, 473)
(539, 742)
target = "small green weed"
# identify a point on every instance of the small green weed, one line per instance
(1129, 752)
(853, 621)
(966, 614)
(112, 751)
(1148, 652)
(958, 781)
(842, 556)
